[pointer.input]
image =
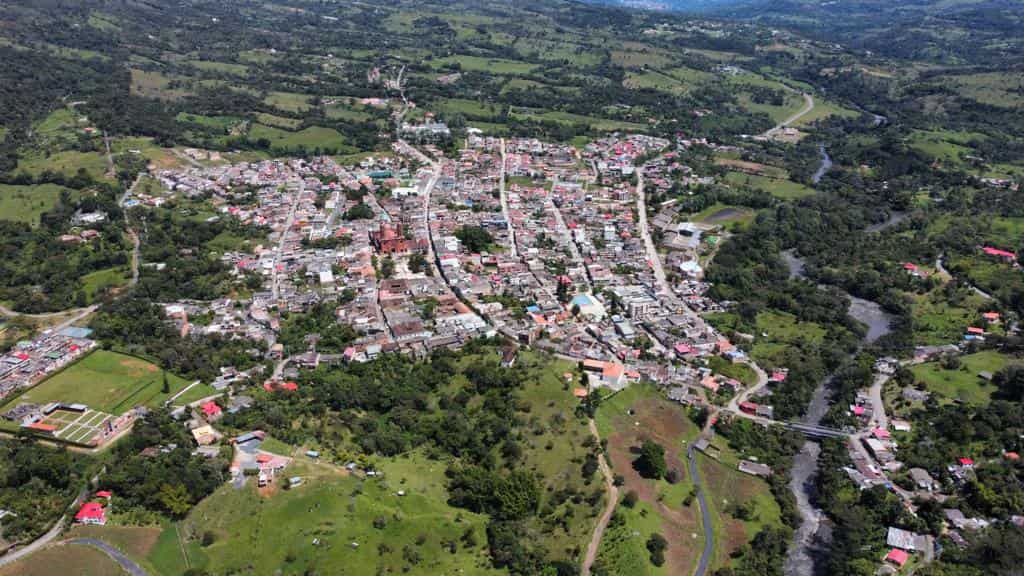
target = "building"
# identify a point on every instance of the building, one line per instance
(91, 513)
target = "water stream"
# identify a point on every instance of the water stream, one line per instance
(825, 166)
(812, 537)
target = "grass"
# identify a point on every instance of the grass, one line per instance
(963, 384)
(221, 122)
(938, 320)
(490, 65)
(726, 486)
(67, 162)
(288, 101)
(780, 188)
(336, 510)
(310, 138)
(106, 381)
(775, 333)
(63, 560)
(724, 214)
(593, 122)
(28, 203)
(823, 109)
(104, 279)
(220, 67)
(154, 85)
(625, 419)
(741, 372)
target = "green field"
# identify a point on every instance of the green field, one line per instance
(100, 279)
(106, 381)
(288, 101)
(64, 560)
(68, 162)
(27, 203)
(784, 189)
(327, 526)
(490, 65)
(962, 384)
(723, 214)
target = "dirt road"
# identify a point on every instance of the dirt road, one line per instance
(609, 509)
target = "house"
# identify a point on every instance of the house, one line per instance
(211, 411)
(897, 557)
(754, 468)
(906, 540)
(922, 479)
(91, 513)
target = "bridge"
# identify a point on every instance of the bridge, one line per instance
(815, 431)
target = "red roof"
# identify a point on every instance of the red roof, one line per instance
(910, 266)
(991, 316)
(1012, 456)
(975, 330)
(90, 511)
(289, 386)
(997, 252)
(897, 556)
(104, 494)
(263, 458)
(43, 427)
(966, 461)
(778, 377)
(210, 408)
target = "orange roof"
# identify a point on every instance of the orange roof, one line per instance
(580, 392)
(597, 364)
(612, 370)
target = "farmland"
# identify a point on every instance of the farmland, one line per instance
(27, 203)
(106, 381)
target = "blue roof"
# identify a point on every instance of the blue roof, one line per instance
(76, 332)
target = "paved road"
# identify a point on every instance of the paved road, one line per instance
(504, 205)
(280, 244)
(709, 532)
(942, 270)
(116, 555)
(808, 106)
(609, 509)
(652, 251)
(877, 404)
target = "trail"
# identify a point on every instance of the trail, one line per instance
(609, 509)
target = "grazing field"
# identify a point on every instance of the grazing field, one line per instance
(780, 188)
(108, 279)
(336, 523)
(154, 85)
(288, 101)
(107, 381)
(490, 65)
(727, 488)
(962, 384)
(27, 203)
(68, 162)
(65, 560)
(775, 334)
(625, 420)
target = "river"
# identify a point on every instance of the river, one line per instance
(812, 537)
(825, 166)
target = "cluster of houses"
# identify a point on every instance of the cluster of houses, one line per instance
(30, 361)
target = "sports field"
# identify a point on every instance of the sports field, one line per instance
(105, 381)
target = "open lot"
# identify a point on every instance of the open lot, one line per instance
(64, 560)
(962, 384)
(105, 381)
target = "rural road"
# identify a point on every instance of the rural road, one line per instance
(709, 532)
(942, 270)
(606, 516)
(808, 106)
(45, 539)
(116, 555)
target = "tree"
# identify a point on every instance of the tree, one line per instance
(166, 388)
(474, 238)
(656, 545)
(651, 463)
(175, 499)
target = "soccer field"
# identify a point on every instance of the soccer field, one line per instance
(105, 381)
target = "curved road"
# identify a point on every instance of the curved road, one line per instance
(808, 106)
(116, 555)
(606, 516)
(709, 532)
